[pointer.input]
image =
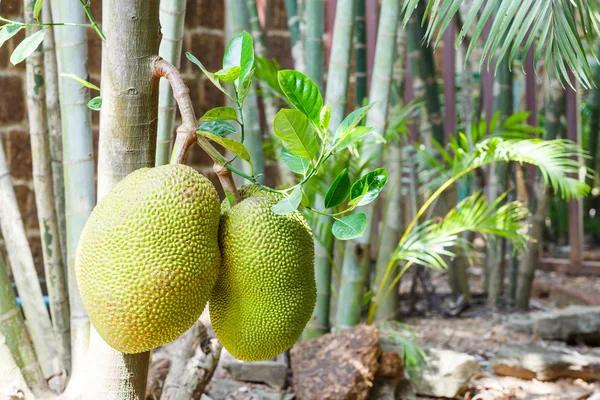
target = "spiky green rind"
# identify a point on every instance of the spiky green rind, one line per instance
(148, 257)
(266, 291)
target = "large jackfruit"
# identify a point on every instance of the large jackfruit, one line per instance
(148, 257)
(266, 291)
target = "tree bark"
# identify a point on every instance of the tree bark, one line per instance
(127, 142)
(44, 199)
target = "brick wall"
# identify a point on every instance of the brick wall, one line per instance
(204, 37)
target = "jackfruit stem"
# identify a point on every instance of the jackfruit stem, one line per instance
(226, 180)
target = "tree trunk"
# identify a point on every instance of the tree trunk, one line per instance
(293, 19)
(25, 275)
(78, 165)
(127, 142)
(357, 260)
(12, 382)
(555, 108)
(391, 228)
(13, 330)
(44, 199)
(497, 185)
(54, 130)
(172, 17)
(360, 55)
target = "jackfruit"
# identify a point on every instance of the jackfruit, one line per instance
(148, 257)
(266, 290)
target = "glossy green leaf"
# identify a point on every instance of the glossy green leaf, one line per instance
(220, 113)
(219, 128)
(325, 117)
(368, 187)
(27, 46)
(290, 203)
(234, 146)
(338, 191)
(82, 82)
(230, 198)
(245, 86)
(354, 136)
(296, 132)
(7, 32)
(211, 77)
(350, 122)
(37, 8)
(350, 227)
(229, 75)
(295, 163)
(302, 93)
(95, 103)
(239, 53)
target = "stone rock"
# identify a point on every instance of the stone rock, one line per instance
(533, 361)
(338, 366)
(446, 374)
(273, 373)
(506, 387)
(574, 323)
(227, 389)
(390, 365)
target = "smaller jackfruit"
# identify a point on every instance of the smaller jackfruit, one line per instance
(266, 291)
(148, 257)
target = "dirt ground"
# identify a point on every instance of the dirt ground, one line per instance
(478, 330)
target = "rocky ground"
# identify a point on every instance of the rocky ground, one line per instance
(480, 353)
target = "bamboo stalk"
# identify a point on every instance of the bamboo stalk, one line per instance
(431, 124)
(12, 382)
(497, 184)
(54, 130)
(360, 54)
(24, 273)
(172, 18)
(78, 166)
(44, 198)
(13, 330)
(391, 222)
(293, 19)
(129, 120)
(238, 21)
(555, 108)
(357, 260)
(314, 41)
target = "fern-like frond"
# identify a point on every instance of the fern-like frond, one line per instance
(432, 240)
(560, 30)
(413, 356)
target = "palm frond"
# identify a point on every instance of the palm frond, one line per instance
(432, 240)
(413, 356)
(563, 28)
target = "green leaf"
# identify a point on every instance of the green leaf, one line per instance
(244, 88)
(367, 188)
(239, 53)
(229, 75)
(295, 163)
(220, 113)
(296, 132)
(27, 46)
(350, 227)
(302, 93)
(338, 191)
(325, 117)
(211, 77)
(354, 136)
(350, 122)
(95, 103)
(82, 82)
(290, 203)
(230, 198)
(232, 145)
(219, 128)
(8, 31)
(37, 8)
